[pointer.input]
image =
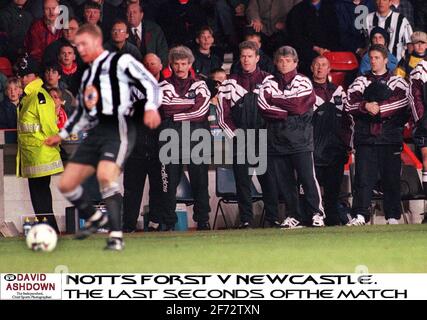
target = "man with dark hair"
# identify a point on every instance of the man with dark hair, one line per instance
(145, 34)
(265, 63)
(378, 102)
(185, 103)
(119, 41)
(104, 109)
(70, 70)
(286, 101)
(241, 91)
(36, 122)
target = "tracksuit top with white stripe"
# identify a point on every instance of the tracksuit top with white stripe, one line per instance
(418, 94)
(286, 102)
(387, 126)
(105, 91)
(184, 99)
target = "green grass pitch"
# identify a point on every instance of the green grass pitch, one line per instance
(382, 248)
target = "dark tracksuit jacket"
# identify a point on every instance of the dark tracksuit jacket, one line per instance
(418, 102)
(184, 100)
(378, 142)
(287, 102)
(244, 88)
(332, 137)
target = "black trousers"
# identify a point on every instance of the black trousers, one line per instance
(330, 178)
(244, 195)
(135, 172)
(373, 161)
(41, 199)
(171, 176)
(291, 171)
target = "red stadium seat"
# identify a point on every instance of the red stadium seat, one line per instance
(343, 64)
(6, 67)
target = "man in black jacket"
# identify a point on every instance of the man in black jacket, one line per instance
(286, 100)
(313, 30)
(332, 135)
(241, 91)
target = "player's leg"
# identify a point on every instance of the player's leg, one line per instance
(107, 174)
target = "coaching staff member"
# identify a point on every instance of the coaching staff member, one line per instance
(104, 109)
(378, 102)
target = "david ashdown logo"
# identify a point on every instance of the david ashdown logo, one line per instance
(9, 277)
(31, 286)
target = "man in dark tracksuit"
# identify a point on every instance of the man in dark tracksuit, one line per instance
(418, 102)
(332, 135)
(287, 100)
(240, 91)
(185, 103)
(378, 102)
(142, 162)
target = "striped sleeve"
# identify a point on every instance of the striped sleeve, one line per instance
(355, 103)
(296, 99)
(399, 98)
(418, 80)
(200, 103)
(142, 79)
(79, 119)
(268, 110)
(228, 94)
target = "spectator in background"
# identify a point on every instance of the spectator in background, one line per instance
(37, 121)
(378, 102)
(313, 30)
(9, 106)
(351, 37)
(99, 12)
(180, 20)
(35, 7)
(332, 133)
(420, 10)
(52, 77)
(265, 63)
(226, 15)
(15, 21)
(61, 115)
(410, 61)
(146, 35)
(70, 71)
(154, 65)
(269, 18)
(378, 36)
(205, 55)
(119, 41)
(405, 8)
(43, 31)
(395, 24)
(68, 36)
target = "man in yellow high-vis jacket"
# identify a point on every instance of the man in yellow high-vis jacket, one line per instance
(36, 122)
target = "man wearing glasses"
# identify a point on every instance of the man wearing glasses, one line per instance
(119, 41)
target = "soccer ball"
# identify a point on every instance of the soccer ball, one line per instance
(42, 237)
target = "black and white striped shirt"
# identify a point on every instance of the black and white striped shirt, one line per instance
(398, 28)
(105, 91)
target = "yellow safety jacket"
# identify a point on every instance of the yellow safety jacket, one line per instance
(36, 122)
